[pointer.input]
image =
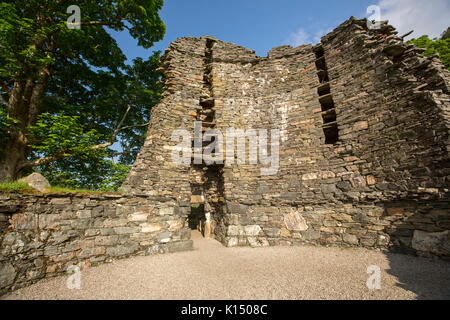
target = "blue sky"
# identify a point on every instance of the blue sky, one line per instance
(263, 24)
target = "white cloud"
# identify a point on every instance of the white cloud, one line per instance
(430, 17)
(424, 17)
(302, 37)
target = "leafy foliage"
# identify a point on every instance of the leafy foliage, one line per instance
(434, 46)
(103, 175)
(89, 89)
(65, 134)
(446, 34)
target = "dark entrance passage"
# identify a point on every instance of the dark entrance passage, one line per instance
(196, 218)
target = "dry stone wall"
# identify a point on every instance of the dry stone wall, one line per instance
(42, 235)
(364, 140)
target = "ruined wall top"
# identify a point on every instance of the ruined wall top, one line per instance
(365, 90)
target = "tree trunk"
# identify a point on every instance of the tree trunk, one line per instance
(22, 106)
(16, 141)
(15, 151)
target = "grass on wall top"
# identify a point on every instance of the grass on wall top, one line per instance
(23, 187)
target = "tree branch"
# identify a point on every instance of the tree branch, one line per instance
(407, 34)
(41, 161)
(2, 100)
(116, 131)
(108, 24)
(136, 126)
(4, 87)
(36, 94)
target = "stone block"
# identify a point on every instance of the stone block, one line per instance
(7, 274)
(126, 230)
(310, 176)
(166, 211)
(150, 227)
(61, 201)
(432, 242)
(106, 240)
(360, 125)
(272, 232)
(138, 217)
(294, 221)
(395, 211)
(350, 239)
(122, 250)
(36, 181)
(234, 231)
(311, 235)
(232, 242)
(252, 230)
(180, 246)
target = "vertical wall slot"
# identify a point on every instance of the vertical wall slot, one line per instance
(330, 128)
(207, 180)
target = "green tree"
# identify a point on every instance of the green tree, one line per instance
(446, 34)
(67, 95)
(434, 46)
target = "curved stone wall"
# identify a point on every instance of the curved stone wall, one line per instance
(364, 140)
(42, 235)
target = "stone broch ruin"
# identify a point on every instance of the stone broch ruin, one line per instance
(364, 159)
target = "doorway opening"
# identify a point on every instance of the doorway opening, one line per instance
(196, 218)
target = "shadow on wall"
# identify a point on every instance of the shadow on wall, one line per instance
(422, 232)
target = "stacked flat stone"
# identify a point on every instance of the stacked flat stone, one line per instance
(386, 176)
(380, 181)
(42, 235)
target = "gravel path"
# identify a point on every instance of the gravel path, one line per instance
(212, 271)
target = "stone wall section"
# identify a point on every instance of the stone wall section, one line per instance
(154, 173)
(42, 235)
(364, 123)
(385, 179)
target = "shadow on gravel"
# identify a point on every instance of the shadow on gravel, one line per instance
(419, 271)
(429, 279)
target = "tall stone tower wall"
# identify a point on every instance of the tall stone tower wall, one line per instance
(364, 141)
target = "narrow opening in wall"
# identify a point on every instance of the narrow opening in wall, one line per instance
(331, 134)
(214, 200)
(329, 117)
(319, 51)
(324, 89)
(323, 76)
(197, 216)
(320, 63)
(326, 102)
(207, 103)
(207, 183)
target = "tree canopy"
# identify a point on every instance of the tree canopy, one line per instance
(69, 102)
(435, 46)
(446, 34)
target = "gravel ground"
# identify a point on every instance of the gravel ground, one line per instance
(212, 271)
